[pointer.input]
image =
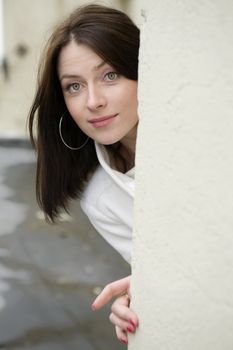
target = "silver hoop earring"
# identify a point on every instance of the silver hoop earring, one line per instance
(72, 148)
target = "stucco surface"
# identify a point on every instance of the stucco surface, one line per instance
(183, 242)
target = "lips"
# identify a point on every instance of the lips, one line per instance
(102, 121)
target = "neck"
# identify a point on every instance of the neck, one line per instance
(129, 143)
(123, 158)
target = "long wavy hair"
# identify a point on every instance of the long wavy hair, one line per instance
(62, 173)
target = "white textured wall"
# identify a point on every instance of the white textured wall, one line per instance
(183, 241)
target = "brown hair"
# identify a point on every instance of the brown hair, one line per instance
(62, 173)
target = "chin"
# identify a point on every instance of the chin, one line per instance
(108, 141)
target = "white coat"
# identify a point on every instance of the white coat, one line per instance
(108, 203)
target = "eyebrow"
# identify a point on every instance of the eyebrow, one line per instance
(100, 65)
(95, 68)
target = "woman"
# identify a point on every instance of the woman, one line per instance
(85, 112)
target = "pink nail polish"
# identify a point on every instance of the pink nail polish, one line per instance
(124, 341)
(133, 323)
(130, 329)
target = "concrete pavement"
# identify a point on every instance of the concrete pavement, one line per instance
(49, 274)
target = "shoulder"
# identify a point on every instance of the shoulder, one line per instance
(103, 197)
(94, 195)
(96, 186)
(110, 210)
(107, 193)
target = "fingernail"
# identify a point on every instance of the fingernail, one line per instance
(93, 307)
(132, 323)
(124, 341)
(130, 329)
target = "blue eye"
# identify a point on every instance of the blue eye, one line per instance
(112, 76)
(74, 87)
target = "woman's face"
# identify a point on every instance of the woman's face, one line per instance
(102, 102)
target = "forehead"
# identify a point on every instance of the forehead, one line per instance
(77, 57)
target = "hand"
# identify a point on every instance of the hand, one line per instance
(124, 319)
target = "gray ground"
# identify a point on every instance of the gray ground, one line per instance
(49, 274)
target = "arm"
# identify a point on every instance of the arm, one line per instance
(122, 316)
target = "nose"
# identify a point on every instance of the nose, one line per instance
(96, 98)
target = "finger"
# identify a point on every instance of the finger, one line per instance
(121, 335)
(121, 309)
(112, 289)
(122, 324)
(123, 312)
(124, 300)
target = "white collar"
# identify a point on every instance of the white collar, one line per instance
(125, 181)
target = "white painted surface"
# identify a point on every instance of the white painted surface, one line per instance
(183, 241)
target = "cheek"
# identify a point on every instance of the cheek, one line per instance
(131, 103)
(74, 109)
(134, 100)
(130, 96)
